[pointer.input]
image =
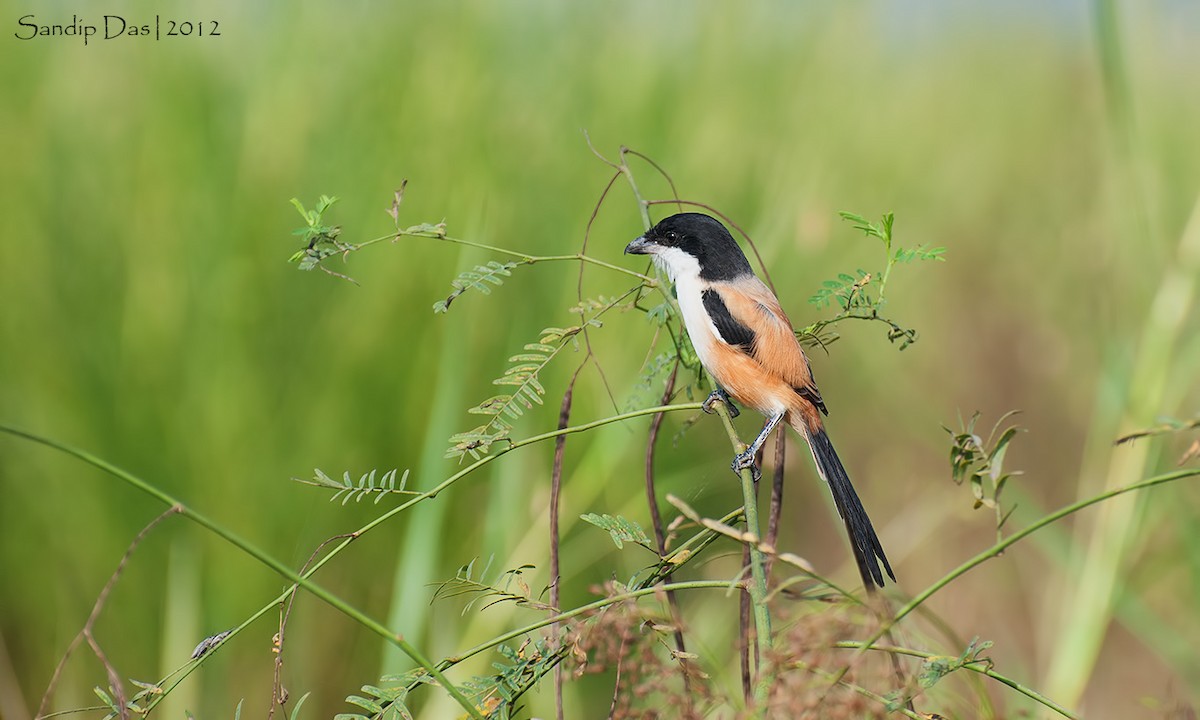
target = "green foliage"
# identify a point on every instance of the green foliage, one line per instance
(386, 701)
(621, 529)
(975, 460)
(320, 240)
(478, 279)
(861, 295)
(494, 696)
(1168, 426)
(136, 705)
(937, 667)
(509, 586)
(846, 290)
(367, 485)
(295, 713)
(523, 376)
(497, 695)
(647, 390)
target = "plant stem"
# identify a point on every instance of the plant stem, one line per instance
(1000, 547)
(982, 667)
(525, 258)
(301, 579)
(758, 584)
(258, 554)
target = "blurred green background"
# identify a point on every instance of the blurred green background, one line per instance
(149, 315)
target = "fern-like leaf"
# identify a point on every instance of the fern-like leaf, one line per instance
(509, 586)
(528, 390)
(522, 667)
(924, 252)
(621, 529)
(523, 376)
(386, 703)
(347, 489)
(846, 290)
(480, 279)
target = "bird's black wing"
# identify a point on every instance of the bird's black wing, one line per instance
(731, 331)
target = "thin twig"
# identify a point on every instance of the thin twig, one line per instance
(560, 444)
(86, 633)
(776, 509)
(278, 693)
(661, 171)
(660, 537)
(999, 548)
(612, 705)
(744, 632)
(268, 560)
(983, 667)
(523, 258)
(587, 336)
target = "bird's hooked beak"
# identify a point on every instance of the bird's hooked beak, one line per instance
(640, 246)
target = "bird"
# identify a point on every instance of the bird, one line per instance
(746, 342)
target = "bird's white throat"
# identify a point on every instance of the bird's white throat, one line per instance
(684, 271)
(677, 263)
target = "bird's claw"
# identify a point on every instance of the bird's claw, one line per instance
(744, 460)
(720, 396)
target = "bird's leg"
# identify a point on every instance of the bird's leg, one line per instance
(719, 395)
(744, 460)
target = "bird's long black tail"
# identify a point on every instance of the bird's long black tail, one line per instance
(868, 552)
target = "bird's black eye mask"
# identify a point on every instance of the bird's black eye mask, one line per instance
(669, 238)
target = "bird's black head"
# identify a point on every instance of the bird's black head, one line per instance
(697, 236)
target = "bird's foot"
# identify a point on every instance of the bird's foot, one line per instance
(720, 396)
(744, 460)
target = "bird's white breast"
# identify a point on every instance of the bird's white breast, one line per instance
(684, 271)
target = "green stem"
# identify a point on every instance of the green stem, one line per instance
(301, 579)
(643, 206)
(525, 258)
(254, 552)
(1000, 547)
(758, 584)
(982, 667)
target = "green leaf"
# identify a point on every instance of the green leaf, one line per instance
(622, 530)
(365, 703)
(300, 208)
(480, 278)
(295, 714)
(104, 697)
